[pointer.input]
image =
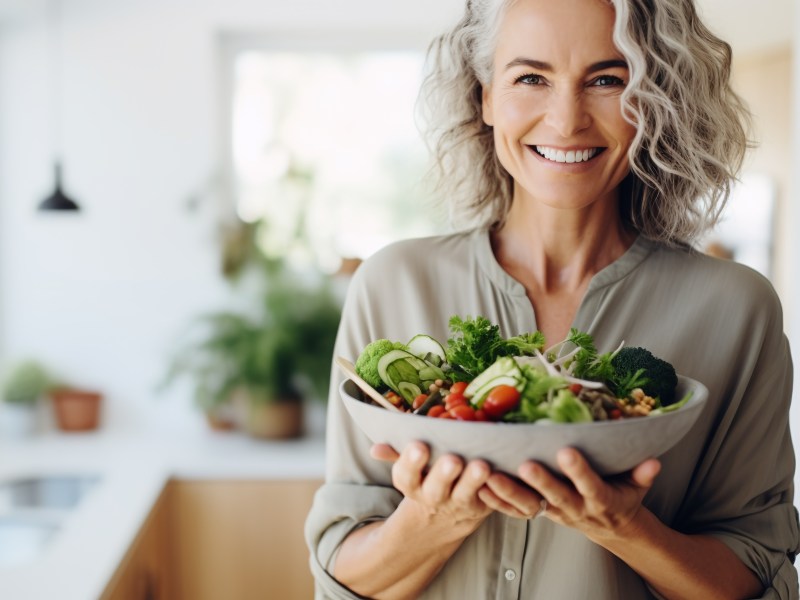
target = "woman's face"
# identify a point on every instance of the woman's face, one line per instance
(554, 102)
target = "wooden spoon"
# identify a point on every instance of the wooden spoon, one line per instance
(349, 370)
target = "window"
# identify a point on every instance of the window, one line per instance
(324, 149)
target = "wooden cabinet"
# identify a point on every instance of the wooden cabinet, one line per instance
(241, 539)
(207, 540)
(145, 573)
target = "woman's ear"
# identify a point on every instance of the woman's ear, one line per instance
(486, 106)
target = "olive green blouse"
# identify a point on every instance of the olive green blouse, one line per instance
(731, 477)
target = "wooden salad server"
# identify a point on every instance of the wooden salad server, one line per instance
(349, 370)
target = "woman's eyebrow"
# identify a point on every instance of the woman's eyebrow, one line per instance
(539, 65)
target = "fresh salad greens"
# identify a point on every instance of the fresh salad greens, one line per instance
(481, 375)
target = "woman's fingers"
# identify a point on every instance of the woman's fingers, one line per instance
(490, 499)
(472, 479)
(408, 469)
(559, 495)
(384, 452)
(438, 484)
(524, 501)
(645, 474)
(588, 483)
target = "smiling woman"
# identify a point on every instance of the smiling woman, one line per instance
(592, 141)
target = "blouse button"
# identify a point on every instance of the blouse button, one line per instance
(510, 575)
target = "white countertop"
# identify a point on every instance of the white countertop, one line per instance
(79, 561)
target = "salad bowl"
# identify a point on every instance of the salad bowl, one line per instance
(611, 447)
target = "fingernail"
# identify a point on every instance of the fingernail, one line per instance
(568, 457)
(477, 470)
(416, 453)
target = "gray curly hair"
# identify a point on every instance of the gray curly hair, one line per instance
(692, 129)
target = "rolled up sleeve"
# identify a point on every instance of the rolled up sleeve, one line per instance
(743, 491)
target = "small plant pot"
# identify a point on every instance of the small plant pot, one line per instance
(274, 420)
(221, 418)
(76, 410)
(17, 420)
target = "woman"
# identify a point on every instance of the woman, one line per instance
(594, 140)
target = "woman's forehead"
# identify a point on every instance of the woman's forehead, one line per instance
(557, 31)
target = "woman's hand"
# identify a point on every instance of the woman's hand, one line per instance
(446, 491)
(599, 508)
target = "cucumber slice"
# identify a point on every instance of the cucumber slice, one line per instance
(394, 355)
(505, 365)
(399, 366)
(431, 372)
(421, 345)
(409, 391)
(480, 395)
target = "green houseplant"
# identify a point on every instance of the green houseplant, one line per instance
(264, 363)
(23, 386)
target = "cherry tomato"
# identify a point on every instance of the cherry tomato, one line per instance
(418, 401)
(454, 400)
(446, 415)
(435, 411)
(394, 398)
(500, 400)
(463, 413)
(458, 387)
(480, 415)
(575, 388)
(615, 413)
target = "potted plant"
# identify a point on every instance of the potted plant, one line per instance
(265, 363)
(23, 387)
(76, 409)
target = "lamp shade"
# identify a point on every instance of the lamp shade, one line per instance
(58, 200)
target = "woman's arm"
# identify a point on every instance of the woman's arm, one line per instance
(681, 566)
(398, 557)
(611, 514)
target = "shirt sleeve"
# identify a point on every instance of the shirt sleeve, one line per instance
(742, 491)
(357, 488)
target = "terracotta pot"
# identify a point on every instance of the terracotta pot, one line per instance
(220, 420)
(275, 419)
(76, 410)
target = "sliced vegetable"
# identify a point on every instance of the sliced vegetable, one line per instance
(425, 347)
(504, 367)
(500, 400)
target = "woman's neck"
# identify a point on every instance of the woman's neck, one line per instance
(559, 250)
(555, 252)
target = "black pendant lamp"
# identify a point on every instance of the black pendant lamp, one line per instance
(57, 200)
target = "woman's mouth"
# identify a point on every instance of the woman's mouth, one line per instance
(569, 156)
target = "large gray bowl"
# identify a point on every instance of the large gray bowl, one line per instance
(610, 446)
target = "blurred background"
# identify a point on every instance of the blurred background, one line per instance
(185, 188)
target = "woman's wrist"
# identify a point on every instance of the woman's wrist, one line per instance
(642, 527)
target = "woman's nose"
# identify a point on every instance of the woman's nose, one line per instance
(566, 114)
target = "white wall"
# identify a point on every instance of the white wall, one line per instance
(101, 295)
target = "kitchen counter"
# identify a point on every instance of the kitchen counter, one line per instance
(82, 556)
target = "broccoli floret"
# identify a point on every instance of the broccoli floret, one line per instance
(367, 363)
(661, 379)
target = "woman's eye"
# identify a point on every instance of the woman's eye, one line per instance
(529, 79)
(607, 80)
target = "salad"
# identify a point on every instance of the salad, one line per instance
(481, 376)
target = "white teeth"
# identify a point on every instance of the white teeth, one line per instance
(571, 156)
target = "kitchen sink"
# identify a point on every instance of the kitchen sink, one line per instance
(59, 492)
(33, 509)
(22, 539)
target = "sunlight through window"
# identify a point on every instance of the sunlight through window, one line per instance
(326, 151)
